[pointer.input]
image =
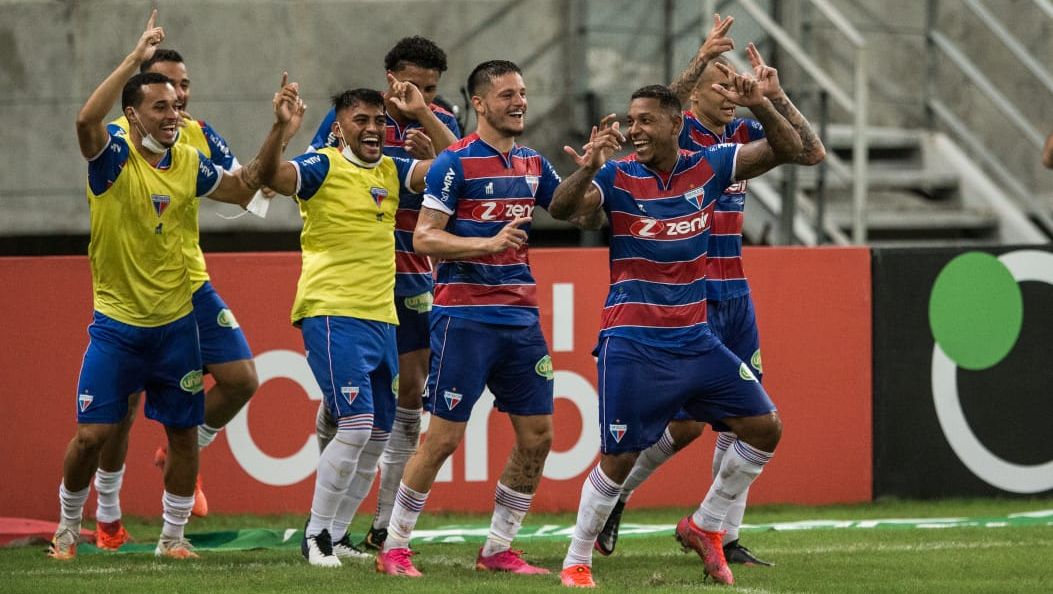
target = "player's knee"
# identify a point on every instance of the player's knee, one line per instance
(238, 380)
(437, 448)
(90, 439)
(767, 434)
(411, 392)
(535, 439)
(684, 432)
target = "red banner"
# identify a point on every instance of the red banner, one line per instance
(813, 308)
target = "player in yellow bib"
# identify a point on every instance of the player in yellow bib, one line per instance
(345, 305)
(140, 188)
(225, 352)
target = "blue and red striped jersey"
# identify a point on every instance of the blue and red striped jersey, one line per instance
(660, 223)
(727, 279)
(413, 274)
(482, 190)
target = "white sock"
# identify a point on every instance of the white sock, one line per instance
(510, 507)
(108, 494)
(404, 437)
(598, 496)
(71, 505)
(647, 462)
(206, 434)
(324, 427)
(361, 483)
(742, 464)
(336, 468)
(408, 505)
(737, 509)
(176, 514)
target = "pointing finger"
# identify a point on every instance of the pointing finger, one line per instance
(153, 19)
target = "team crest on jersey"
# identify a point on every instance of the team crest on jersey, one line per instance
(378, 194)
(84, 401)
(696, 197)
(452, 399)
(618, 431)
(349, 393)
(532, 183)
(160, 202)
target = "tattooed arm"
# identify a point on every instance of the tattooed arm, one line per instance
(716, 43)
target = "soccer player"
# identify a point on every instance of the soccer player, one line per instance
(711, 120)
(655, 338)
(224, 351)
(415, 130)
(143, 335)
(348, 197)
(480, 194)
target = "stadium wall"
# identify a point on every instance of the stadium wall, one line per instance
(813, 307)
(961, 372)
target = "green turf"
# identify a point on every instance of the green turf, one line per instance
(829, 560)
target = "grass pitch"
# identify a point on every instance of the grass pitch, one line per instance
(988, 559)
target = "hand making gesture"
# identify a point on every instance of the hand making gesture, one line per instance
(741, 89)
(717, 41)
(766, 76)
(149, 40)
(604, 141)
(405, 96)
(287, 101)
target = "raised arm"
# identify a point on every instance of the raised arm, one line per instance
(812, 151)
(781, 144)
(91, 120)
(408, 98)
(432, 239)
(265, 169)
(575, 198)
(716, 43)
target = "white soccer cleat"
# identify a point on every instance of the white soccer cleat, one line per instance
(318, 550)
(343, 549)
(175, 548)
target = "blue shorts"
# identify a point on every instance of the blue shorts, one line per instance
(122, 360)
(467, 356)
(734, 323)
(412, 333)
(642, 387)
(222, 340)
(357, 367)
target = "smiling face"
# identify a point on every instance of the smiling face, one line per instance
(710, 107)
(502, 105)
(653, 131)
(362, 126)
(156, 114)
(176, 72)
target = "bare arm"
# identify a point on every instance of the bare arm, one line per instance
(575, 198)
(431, 238)
(239, 187)
(1047, 153)
(91, 126)
(408, 98)
(716, 43)
(418, 175)
(767, 77)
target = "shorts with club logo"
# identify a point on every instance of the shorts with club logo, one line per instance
(643, 386)
(222, 340)
(356, 366)
(468, 356)
(122, 359)
(733, 321)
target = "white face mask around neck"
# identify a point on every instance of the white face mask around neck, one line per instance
(149, 142)
(350, 154)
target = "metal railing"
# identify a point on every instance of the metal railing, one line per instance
(855, 103)
(938, 110)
